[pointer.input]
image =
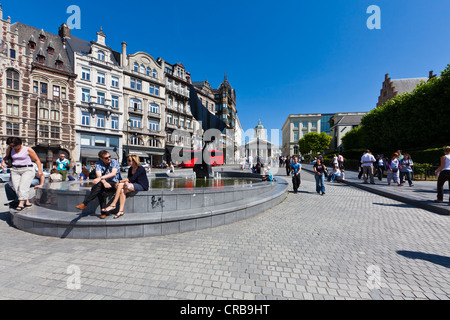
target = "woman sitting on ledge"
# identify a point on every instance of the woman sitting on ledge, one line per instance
(137, 181)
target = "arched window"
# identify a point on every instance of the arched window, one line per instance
(149, 71)
(154, 73)
(12, 79)
(142, 69)
(135, 104)
(136, 67)
(101, 55)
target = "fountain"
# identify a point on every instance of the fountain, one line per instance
(199, 199)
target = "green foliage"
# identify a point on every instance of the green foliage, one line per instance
(418, 120)
(314, 142)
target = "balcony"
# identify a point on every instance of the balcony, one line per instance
(135, 110)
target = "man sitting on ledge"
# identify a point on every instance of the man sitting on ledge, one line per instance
(108, 174)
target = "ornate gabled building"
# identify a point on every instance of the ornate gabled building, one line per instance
(99, 96)
(38, 91)
(179, 124)
(394, 87)
(145, 101)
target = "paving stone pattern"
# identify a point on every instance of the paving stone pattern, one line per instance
(307, 247)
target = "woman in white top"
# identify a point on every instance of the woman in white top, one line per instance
(444, 174)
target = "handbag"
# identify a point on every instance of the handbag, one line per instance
(7, 159)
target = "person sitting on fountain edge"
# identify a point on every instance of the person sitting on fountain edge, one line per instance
(108, 174)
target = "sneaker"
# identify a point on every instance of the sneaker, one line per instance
(438, 201)
(411, 185)
(389, 184)
(400, 185)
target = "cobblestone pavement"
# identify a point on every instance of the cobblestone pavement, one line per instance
(347, 244)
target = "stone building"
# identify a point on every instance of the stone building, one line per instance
(38, 98)
(259, 147)
(99, 96)
(340, 124)
(394, 87)
(145, 106)
(179, 122)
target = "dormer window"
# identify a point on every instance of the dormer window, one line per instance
(101, 55)
(42, 36)
(50, 49)
(59, 62)
(32, 43)
(40, 56)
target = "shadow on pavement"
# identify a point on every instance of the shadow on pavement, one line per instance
(434, 258)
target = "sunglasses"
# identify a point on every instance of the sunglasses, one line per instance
(106, 158)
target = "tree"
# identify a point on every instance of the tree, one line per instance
(314, 142)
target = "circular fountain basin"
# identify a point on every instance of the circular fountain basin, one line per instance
(171, 205)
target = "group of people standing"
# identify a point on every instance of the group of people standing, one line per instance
(398, 167)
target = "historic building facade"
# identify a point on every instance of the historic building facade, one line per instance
(99, 96)
(38, 98)
(145, 111)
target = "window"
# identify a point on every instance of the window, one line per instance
(50, 51)
(115, 101)
(12, 79)
(149, 71)
(43, 131)
(175, 120)
(169, 118)
(305, 124)
(296, 125)
(135, 122)
(85, 140)
(188, 123)
(154, 108)
(54, 115)
(101, 78)
(56, 91)
(115, 123)
(170, 101)
(100, 97)
(152, 89)
(40, 58)
(55, 133)
(154, 73)
(136, 84)
(12, 53)
(12, 105)
(115, 82)
(32, 45)
(42, 38)
(135, 104)
(63, 92)
(295, 135)
(101, 55)
(142, 69)
(35, 87)
(85, 74)
(136, 67)
(152, 142)
(182, 122)
(114, 142)
(86, 95)
(100, 141)
(44, 88)
(156, 90)
(43, 113)
(153, 125)
(85, 119)
(12, 129)
(101, 121)
(59, 64)
(135, 141)
(314, 124)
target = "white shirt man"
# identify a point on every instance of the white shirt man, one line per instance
(367, 161)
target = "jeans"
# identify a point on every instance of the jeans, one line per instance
(320, 182)
(408, 175)
(296, 182)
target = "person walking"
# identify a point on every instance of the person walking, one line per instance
(137, 181)
(287, 162)
(367, 161)
(107, 172)
(22, 170)
(319, 174)
(392, 170)
(341, 161)
(406, 169)
(62, 165)
(380, 167)
(443, 173)
(296, 168)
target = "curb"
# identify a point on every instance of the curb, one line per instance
(417, 203)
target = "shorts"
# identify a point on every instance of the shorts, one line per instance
(138, 187)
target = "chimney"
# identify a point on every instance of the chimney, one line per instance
(431, 75)
(124, 58)
(64, 33)
(386, 76)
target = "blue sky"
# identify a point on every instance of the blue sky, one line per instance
(282, 57)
